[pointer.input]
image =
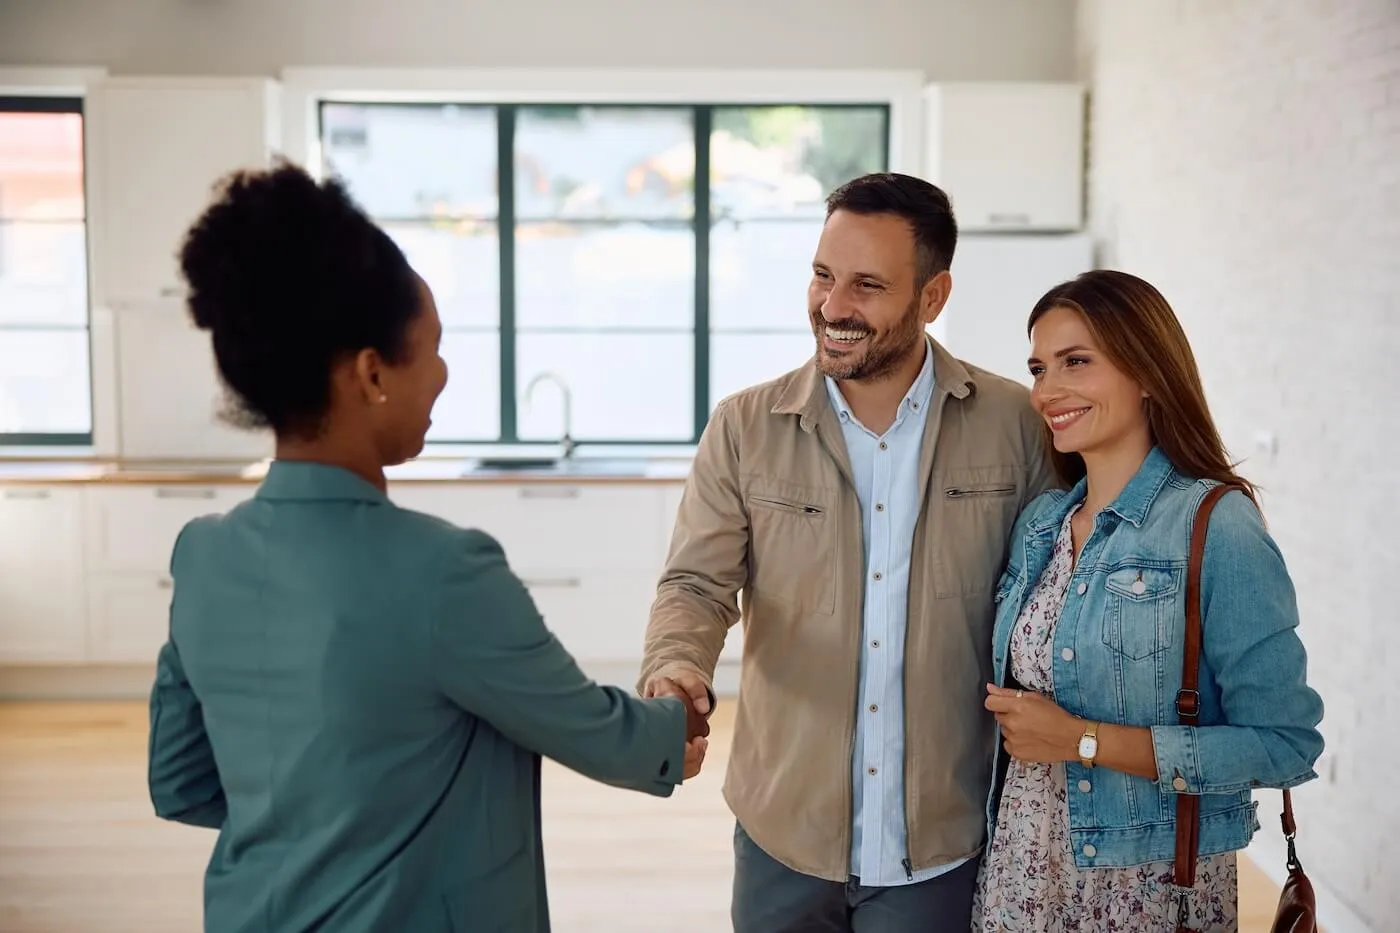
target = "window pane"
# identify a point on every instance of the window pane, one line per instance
(738, 361)
(410, 160)
(623, 162)
(44, 378)
(784, 161)
(460, 261)
(41, 166)
(605, 276)
(469, 409)
(624, 386)
(43, 273)
(759, 273)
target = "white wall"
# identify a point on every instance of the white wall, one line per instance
(990, 39)
(1245, 158)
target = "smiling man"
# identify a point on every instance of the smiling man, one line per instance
(862, 506)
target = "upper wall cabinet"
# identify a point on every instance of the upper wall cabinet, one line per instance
(1010, 155)
(156, 146)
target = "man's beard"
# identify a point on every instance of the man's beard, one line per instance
(882, 354)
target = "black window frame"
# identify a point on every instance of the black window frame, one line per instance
(702, 114)
(66, 104)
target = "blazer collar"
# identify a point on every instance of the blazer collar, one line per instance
(307, 481)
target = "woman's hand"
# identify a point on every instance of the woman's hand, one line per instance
(1033, 727)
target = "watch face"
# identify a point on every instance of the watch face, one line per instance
(1088, 746)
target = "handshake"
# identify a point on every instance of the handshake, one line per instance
(691, 691)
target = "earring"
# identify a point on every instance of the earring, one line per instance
(383, 398)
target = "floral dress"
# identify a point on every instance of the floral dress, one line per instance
(1028, 880)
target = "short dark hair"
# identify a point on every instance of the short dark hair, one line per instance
(924, 206)
(289, 275)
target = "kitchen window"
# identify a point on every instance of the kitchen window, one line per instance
(654, 257)
(45, 373)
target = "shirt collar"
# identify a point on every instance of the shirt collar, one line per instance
(915, 400)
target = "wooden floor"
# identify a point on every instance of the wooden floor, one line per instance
(80, 851)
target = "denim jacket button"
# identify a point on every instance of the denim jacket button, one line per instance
(1090, 851)
(1083, 588)
(1085, 787)
(1179, 785)
(1067, 654)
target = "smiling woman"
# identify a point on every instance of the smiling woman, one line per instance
(1103, 745)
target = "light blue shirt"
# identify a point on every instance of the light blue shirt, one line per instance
(886, 473)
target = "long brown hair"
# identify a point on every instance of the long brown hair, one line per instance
(1138, 331)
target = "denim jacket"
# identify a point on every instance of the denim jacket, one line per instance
(1118, 659)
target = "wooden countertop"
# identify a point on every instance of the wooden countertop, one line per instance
(427, 470)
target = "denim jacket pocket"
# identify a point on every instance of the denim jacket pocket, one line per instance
(1141, 618)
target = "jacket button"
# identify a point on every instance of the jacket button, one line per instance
(1067, 654)
(1179, 785)
(1090, 851)
(1085, 787)
(1083, 588)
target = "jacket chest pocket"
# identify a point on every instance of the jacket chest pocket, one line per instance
(792, 546)
(1140, 621)
(972, 517)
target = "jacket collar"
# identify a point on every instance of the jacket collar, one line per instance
(307, 481)
(1132, 504)
(806, 394)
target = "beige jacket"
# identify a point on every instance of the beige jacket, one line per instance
(770, 513)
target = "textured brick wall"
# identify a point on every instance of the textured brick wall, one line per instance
(1245, 158)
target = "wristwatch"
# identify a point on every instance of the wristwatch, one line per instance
(1089, 745)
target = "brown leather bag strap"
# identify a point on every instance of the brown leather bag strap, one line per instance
(1188, 699)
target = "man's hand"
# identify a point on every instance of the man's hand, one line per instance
(681, 684)
(694, 756)
(696, 725)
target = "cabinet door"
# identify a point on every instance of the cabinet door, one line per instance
(130, 617)
(43, 615)
(134, 527)
(156, 147)
(553, 527)
(1009, 155)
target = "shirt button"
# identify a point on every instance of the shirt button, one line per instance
(1179, 785)
(1083, 588)
(875, 643)
(874, 708)
(879, 575)
(884, 446)
(1085, 787)
(1090, 851)
(871, 770)
(1067, 654)
(879, 506)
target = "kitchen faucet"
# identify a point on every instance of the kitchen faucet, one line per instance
(567, 440)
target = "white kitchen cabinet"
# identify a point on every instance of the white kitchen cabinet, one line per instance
(131, 532)
(159, 347)
(133, 527)
(156, 147)
(1010, 155)
(553, 527)
(130, 617)
(43, 613)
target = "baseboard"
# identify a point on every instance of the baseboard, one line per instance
(1269, 852)
(76, 681)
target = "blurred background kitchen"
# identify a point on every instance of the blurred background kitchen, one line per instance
(616, 204)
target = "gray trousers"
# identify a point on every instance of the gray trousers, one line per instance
(769, 897)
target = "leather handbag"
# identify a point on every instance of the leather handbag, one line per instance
(1297, 906)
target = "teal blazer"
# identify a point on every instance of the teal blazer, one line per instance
(357, 696)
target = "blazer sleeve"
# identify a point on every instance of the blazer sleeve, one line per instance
(492, 655)
(1250, 643)
(182, 776)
